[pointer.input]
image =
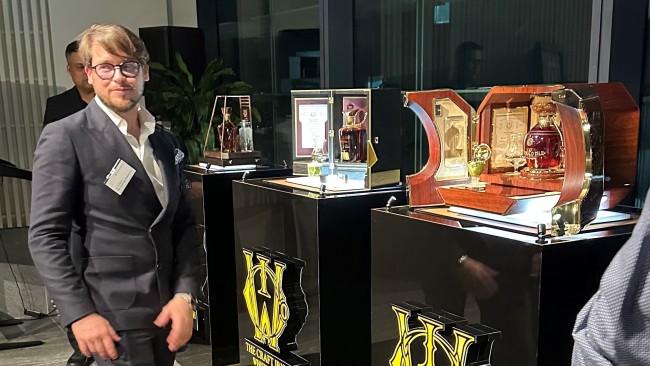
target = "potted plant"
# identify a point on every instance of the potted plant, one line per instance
(188, 104)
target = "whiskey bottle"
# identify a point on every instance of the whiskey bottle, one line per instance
(543, 143)
(228, 133)
(352, 137)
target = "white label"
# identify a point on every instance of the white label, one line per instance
(118, 178)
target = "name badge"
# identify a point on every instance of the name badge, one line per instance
(119, 176)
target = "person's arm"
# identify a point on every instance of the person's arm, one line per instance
(55, 185)
(185, 239)
(56, 179)
(612, 328)
(178, 310)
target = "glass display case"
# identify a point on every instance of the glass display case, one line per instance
(349, 139)
(578, 142)
(233, 117)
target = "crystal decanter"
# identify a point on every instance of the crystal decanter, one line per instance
(246, 131)
(543, 143)
(228, 133)
(353, 136)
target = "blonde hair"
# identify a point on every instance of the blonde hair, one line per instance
(115, 39)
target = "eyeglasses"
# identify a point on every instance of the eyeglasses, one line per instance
(129, 69)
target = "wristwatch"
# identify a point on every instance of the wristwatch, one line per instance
(191, 301)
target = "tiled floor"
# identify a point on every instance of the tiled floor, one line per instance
(56, 349)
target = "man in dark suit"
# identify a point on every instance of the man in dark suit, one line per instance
(59, 106)
(112, 172)
(75, 98)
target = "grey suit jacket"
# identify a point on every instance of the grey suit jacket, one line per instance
(613, 328)
(136, 253)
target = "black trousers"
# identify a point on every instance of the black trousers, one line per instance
(146, 347)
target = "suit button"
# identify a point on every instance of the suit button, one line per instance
(159, 266)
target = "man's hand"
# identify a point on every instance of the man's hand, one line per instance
(95, 335)
(179, 313)
(479, 278)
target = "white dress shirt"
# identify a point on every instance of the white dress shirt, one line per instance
(142, 147)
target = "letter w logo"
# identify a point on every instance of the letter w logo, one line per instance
(414, 326)
(269, 323)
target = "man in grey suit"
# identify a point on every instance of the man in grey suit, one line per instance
(114, 173)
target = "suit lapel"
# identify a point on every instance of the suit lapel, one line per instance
(116, 146)
(163, 152)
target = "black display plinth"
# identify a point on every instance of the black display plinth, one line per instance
(528, 291)
(328, 237)
(210, 196)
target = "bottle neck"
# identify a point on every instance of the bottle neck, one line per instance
(546, 120)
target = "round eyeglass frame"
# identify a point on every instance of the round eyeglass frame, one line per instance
(111, 74)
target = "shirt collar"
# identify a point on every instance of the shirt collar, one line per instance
(146, 119)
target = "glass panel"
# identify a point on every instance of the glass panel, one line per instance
(411, 44)
(467, 45)
(274, 46)
(430, 44)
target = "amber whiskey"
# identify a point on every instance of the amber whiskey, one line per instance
(228, 132)
(352, 138)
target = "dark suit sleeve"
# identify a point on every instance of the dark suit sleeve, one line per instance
(49, 115)
(185, 239)
(56, 179)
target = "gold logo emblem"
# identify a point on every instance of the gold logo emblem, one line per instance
(276, 305)
(268, 329)
(438, 331)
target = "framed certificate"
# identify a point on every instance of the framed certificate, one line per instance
(506, 121)
(311, 117)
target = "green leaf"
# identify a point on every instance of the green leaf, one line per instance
(257, 116)
(193, 150)
(183, 67)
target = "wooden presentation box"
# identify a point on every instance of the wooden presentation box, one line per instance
(599, 124)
